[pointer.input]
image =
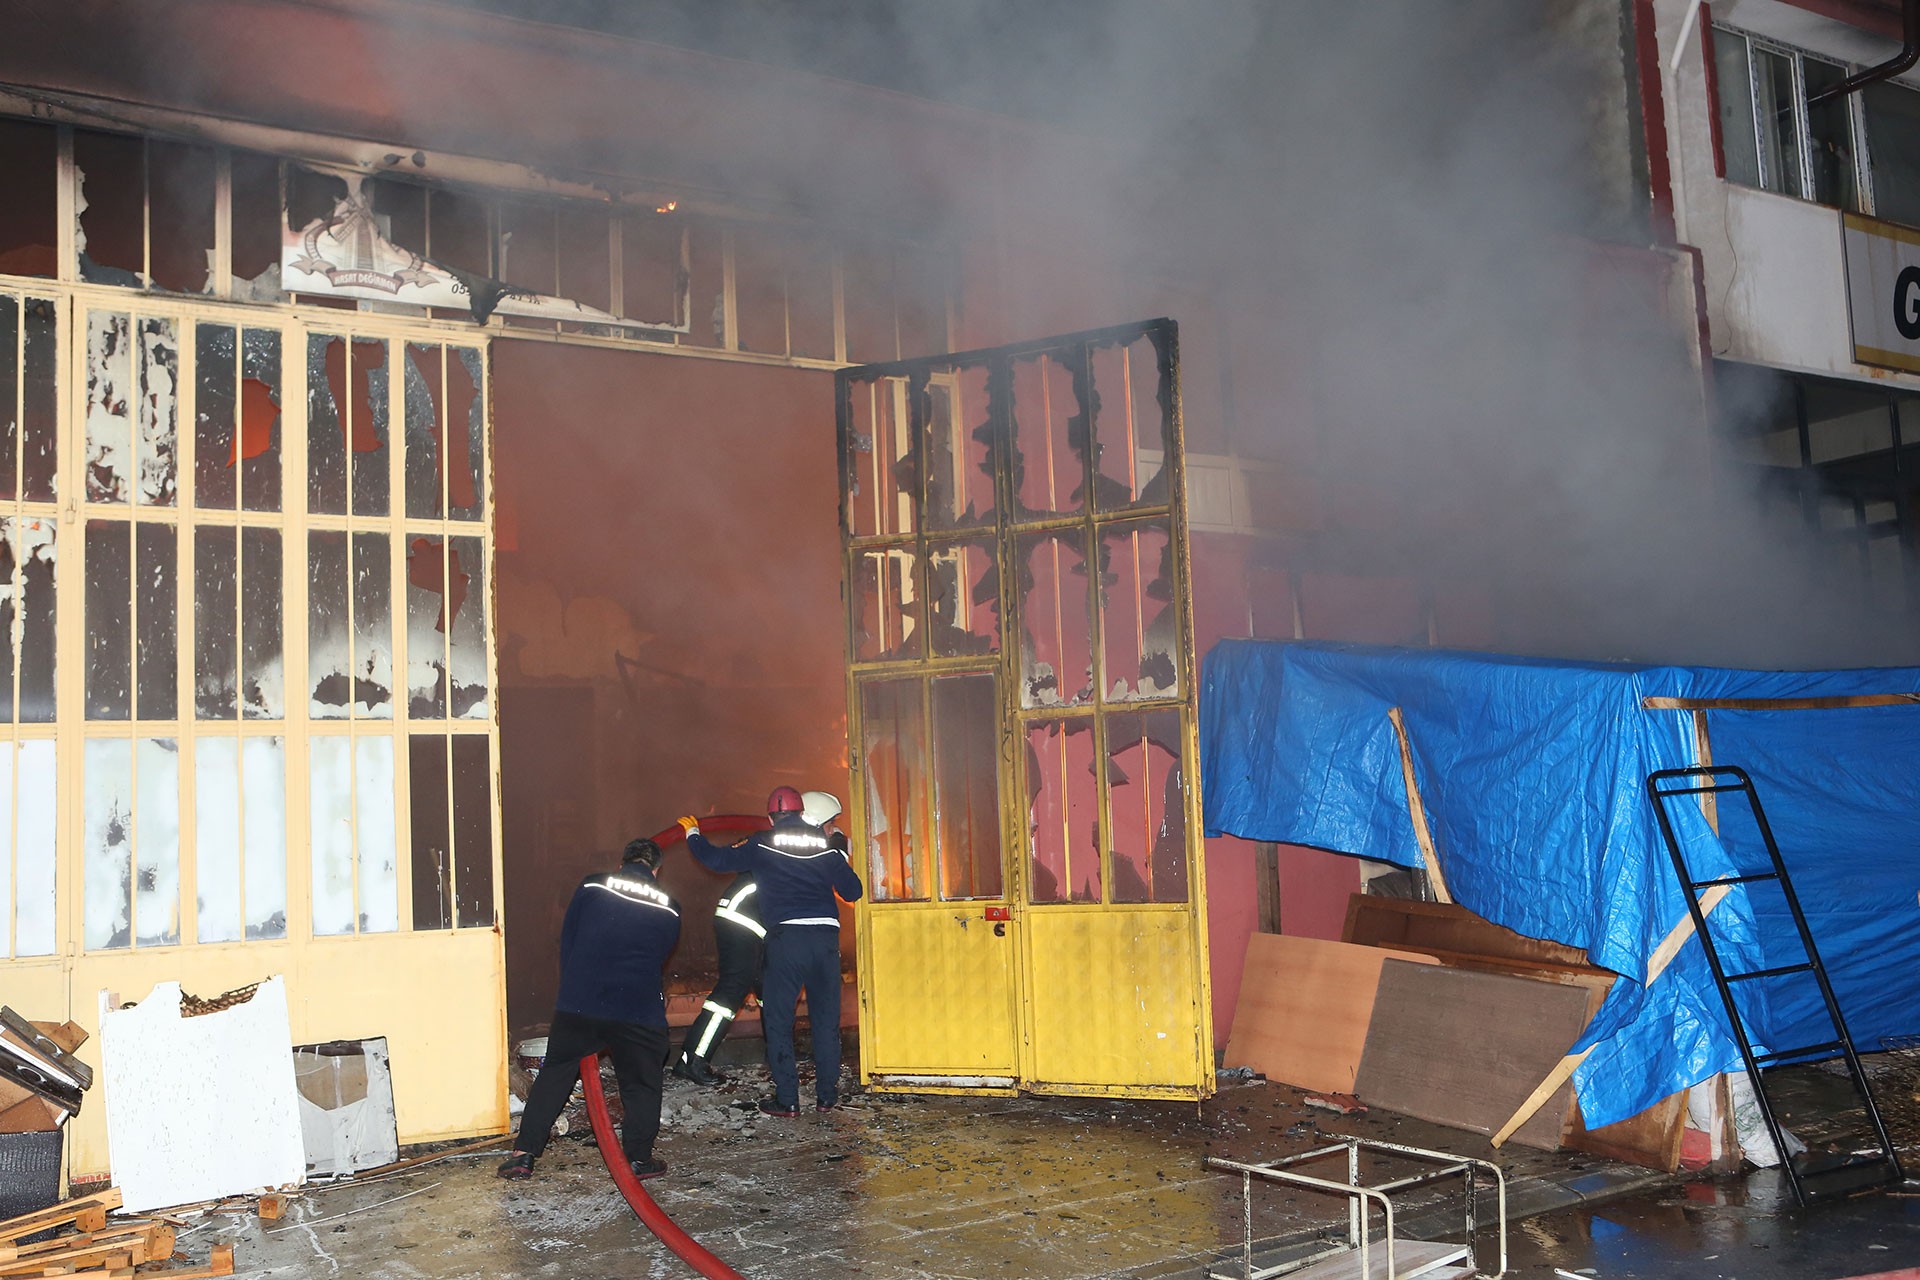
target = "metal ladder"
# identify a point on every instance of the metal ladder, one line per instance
(1813, 1177)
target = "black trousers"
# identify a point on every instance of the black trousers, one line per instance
(740, 953)
(803, 957)
(639, 1056)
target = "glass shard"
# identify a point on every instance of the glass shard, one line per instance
(34, 848)
(963, 603)
(887, 605)
(107, 842)
(468, 670)
(373, 625)
(159, 414)
(216, 839)
(958, 429)
(1138, 623)
(258, 459)
(374, 835)
(330, 809)
(109, 460)
(263, 678)
(426, 630)
(1056, 659)
(156, 612)
(466, 441)
(329, 668)
(9, 391)
(368, 431)
(264, 795)
(33, 552)
(432, 844)
(1146, 807)
(109, 639)
(423, 399)
(1049, 437)
(893, 731)
(1133, 419)
(1062, 822)
(216, 670)
(214, 415)
(326, 426)
(156, 847)
(39, 414)
(473, 830)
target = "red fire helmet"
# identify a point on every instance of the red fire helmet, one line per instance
(783, 800)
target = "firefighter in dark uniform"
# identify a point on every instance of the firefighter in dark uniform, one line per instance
(738, 940)
(800, 867)
(620, 928)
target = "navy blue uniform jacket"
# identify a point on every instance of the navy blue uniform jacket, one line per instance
(621, 926)
(799, 868)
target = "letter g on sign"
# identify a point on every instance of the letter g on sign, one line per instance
(1906, 304)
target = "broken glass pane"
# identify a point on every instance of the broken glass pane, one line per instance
(330, 804)
(159, 415)
(1062, 824)
(426, 630)
(156, 610)
(156, 883)
(966, 785)
(963, 601)
(180, 216)
(216, 839)
(887, 605)
(373, 625)
(329, 668)
(108, 837)
(881, 458)
(263, 677)
(264, 779)
(109, 643)
(1146, 806)
(35, 821)
(214, 417)
(893, 749)
(326, 434)
(367, 435)
(1138, 623)
(29, 151)
(473, 829)
(259, 453)
(466, 438)
(1056, 659)
(109, 398)
(468, 670)
(216, 670)
(1133, 417)
(9, 394)
(33, 547)
(1049, 437)
(39, 420)
(110, 201)
(959, 450)
(424, 403)
(432, 853)
(375, 837)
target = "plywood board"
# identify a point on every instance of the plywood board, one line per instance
(1465, 1049)
(1651, 1138)
(1304, 1008)
(1423, 926)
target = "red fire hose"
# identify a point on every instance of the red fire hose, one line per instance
(689, 1250)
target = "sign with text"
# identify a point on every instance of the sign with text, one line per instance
(1883, 292)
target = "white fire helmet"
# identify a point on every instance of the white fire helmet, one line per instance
(818, 808)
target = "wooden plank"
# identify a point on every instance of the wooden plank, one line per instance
(1651, 1139)
(1425, 926)
(101, 1233)
(100, 1202)
(1656, 965)
(1304, 1008)
(1417, 809)
(1460, 1048)
(151, 1243)
(220, 1264)
(1839, 703)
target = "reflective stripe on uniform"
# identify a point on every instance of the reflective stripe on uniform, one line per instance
(722, 1016)
(741, 896)
(814, 920)
(745, 922)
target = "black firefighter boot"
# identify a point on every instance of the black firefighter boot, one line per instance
(693, 1062)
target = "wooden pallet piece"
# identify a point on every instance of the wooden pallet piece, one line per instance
(271, 1206)
(130, 1227)
(92, 1206)
(219, 1264)
(151, 1243)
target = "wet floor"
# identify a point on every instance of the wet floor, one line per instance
(924, 1188)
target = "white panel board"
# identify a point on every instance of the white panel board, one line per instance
(204, 1107)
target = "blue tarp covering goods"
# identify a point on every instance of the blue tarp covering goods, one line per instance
(1533, 776)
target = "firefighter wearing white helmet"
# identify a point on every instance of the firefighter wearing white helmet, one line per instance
(800, 867)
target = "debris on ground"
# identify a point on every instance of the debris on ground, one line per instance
(1344, 1104)
(78, 1238)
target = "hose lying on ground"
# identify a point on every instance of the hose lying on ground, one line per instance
(690, 1251)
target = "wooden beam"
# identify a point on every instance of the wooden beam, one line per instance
(1656, 965)
(80, 1208)
(1842, 703)
(1703, 757)
(1417, 809)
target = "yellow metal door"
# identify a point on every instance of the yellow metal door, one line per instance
(1021, 700)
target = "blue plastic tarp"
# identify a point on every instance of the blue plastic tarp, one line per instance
(1533, 775)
